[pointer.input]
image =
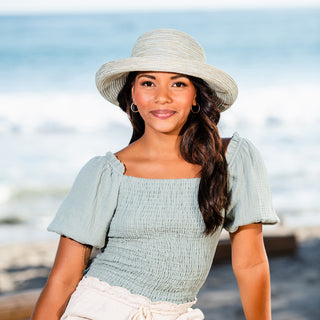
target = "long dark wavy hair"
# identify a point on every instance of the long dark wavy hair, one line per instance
(200, 144)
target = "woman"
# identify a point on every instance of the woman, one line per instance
(156, 208)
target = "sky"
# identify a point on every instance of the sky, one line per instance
(50, 6)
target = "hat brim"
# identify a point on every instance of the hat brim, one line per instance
(111, 77)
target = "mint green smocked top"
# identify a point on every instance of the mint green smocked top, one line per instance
(151, 230)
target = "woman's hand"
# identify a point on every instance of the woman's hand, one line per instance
(70, 263)
(251, 268)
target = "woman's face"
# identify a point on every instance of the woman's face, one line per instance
(164, 100)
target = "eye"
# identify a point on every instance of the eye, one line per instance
(179, 84)
(147, 84)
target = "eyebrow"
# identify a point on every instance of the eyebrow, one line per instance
(154, 78)
(147, 76)
(179, 76)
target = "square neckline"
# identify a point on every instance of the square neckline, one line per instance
(230, 149)
(150, 179)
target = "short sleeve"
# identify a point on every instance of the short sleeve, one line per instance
(248, 182)
(87, 210)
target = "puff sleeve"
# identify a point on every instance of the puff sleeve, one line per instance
(87, 210)
(250, 190)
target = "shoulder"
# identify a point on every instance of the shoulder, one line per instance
(127, 154)
(245, 163)
(130, 151)
(242, 155)
(238, 147)
(99, 164)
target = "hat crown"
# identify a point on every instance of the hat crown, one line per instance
(168, 43)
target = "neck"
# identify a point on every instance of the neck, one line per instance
(161, 145)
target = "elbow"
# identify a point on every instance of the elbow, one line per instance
(61, 281)
(247, 266)
(255, 291)
(65, 278)
(257, 273)
(250, 264)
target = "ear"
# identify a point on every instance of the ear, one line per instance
(132, 92)
(194, 101)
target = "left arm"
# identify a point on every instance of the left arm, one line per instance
(251, 268)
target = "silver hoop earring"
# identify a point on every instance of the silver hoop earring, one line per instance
(134, 108)
(195, 111)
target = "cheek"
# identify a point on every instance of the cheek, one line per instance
(142, 100)
(186, 100)
(187, 97)
(140, 97)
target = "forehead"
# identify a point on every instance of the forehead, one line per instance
(160, 74)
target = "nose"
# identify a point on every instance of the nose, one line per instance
(163, 95)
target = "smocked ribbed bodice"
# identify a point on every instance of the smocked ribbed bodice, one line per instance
(156, 246)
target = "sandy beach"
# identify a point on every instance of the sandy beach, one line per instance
(295, 279)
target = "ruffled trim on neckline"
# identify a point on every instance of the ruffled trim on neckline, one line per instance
(115, 163)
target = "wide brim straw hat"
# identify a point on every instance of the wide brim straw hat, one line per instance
(166, 50)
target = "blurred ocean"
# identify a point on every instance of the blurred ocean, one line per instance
(52, 118)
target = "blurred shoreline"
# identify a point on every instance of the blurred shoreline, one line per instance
(295, 278)
(53, 120)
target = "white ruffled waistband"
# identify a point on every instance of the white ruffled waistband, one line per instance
(138, 307)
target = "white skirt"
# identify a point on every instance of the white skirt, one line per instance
(97, 300)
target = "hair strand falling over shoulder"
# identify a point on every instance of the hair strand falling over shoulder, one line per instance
(200, 144)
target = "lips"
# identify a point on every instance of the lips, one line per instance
(163, 113)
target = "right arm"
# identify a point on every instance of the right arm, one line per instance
(71, 261)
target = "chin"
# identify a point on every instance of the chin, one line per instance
(170, 132)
